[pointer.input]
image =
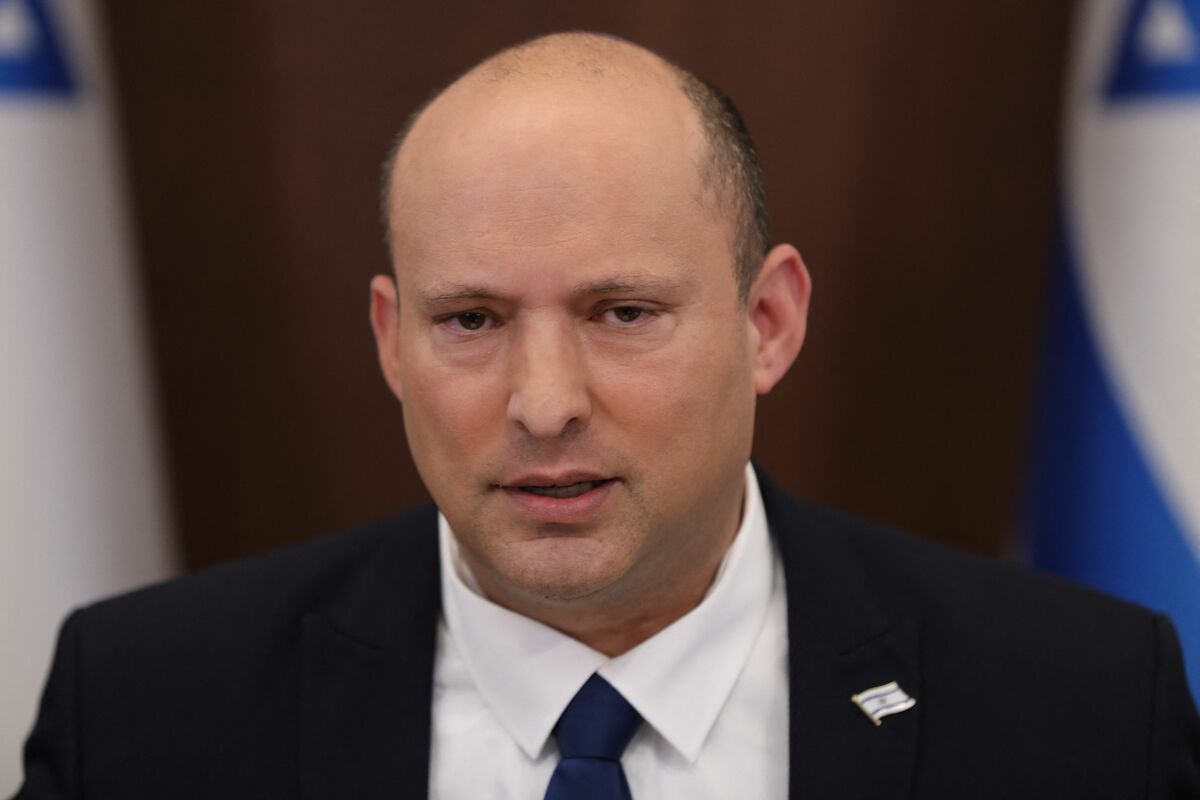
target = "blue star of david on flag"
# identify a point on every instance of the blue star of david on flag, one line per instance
(1159, 52)
(31, 58)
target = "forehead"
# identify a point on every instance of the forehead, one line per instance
(508, 167)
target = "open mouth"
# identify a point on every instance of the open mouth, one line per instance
(566, 497)
(566, 491)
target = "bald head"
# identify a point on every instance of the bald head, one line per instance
(543, 91)
(588, 57)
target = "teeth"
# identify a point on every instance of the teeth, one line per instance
(563, 492)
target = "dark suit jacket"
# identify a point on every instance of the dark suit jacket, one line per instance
(307, 673)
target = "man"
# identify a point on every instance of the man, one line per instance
(610, 603)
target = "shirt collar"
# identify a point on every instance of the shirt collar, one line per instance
(678, 680)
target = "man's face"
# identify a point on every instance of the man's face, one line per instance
(574, 365)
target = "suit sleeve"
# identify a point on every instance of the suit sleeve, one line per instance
(1175, 730)
(52, 752)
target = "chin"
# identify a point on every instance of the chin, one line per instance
(563, 568)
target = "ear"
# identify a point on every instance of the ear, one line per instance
(385, 322)
(778, 315)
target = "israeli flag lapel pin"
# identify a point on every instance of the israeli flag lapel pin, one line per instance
(881, 701)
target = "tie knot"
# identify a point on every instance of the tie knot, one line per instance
(597, 723)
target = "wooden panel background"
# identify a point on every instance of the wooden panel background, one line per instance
(910, 151)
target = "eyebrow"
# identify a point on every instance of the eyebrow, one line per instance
(448, 294)
(630, 285)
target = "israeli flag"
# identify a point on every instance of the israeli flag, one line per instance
(82, 509)
(1116, 487)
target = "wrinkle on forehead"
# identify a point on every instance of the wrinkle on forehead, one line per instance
(446, 292)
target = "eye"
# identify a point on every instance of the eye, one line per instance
(471, 320)
(467, 321)
(630, 316)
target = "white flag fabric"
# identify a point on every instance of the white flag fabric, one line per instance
(82, 508)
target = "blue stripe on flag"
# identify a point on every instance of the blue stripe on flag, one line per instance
(31, 59)
(1097, 514)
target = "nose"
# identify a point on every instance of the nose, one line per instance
(549, 394)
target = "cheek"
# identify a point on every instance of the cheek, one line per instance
(685, 400)
(448, 413)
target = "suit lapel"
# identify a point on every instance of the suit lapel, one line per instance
(841, 640)
(368, 674)
(836, 751)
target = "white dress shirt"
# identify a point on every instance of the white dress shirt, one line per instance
(711, 687)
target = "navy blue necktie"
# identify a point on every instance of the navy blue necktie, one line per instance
(592, 734)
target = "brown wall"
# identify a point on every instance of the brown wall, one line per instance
(909, 149)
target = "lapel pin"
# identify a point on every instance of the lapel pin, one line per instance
(881, 701)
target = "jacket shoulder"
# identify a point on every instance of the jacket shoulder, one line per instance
(976, 596)
(926, 576)
(237, 600)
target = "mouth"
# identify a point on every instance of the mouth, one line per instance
(564, 491)
(566, 498)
